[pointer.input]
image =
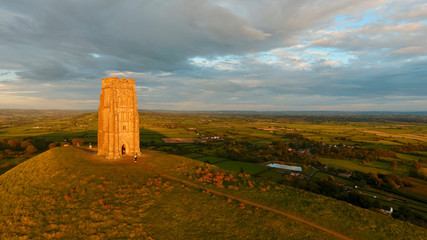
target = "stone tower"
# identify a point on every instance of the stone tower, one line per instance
(118, 119)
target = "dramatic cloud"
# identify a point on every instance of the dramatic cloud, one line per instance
(216, 55)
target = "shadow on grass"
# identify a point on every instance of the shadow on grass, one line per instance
(5, 169)
(88, 136)
(147, 137)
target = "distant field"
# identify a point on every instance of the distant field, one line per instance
(246, 137)
(250, 168)
(194, 155)
(295, 200)
(76, 198)
(354, 165)
(271, 175)
(80, 196)
(179, 140)
(322, 175)
(418, 187)
(410, 136)
(408, 157)
(212, 159)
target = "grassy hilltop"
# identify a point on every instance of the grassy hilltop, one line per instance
(72, 193)
(61, 194)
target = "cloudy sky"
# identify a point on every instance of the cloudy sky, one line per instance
(349, 55)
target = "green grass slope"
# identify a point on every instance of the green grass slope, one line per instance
(62, 194)
(70, 193)
(338, 216)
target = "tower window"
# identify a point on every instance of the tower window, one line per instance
(124, 127)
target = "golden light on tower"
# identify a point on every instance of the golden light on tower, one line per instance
(118, 118)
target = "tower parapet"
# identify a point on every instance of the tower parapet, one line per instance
(118, 118)
(116, 82)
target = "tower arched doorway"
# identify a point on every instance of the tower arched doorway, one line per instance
(123, 149)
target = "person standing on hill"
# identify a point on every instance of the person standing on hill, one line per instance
(135, 158)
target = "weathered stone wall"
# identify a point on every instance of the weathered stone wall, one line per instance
(118, 118)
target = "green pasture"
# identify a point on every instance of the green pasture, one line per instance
(212, 159)
(391, 199)
(420, 153)
(250, 168)
(365, 137)
(79, 198)
(406, 140)
(242, 127)
(379, 164)
(302, 203)
(55, 131)
(264, 134)
(149, 134)
(353, 165)
(194, 155)
(271, 174)
(408, 157)
(318, 138)
(412, 129)
(151, 141)
(419, 187)
(25, 131)
(172, 133)
(389, 143)
(372, 145)
(322, 175)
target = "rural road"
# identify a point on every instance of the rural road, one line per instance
(191, 184)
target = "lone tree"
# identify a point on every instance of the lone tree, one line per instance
(52, 145)
(13, 143)
(30, 149)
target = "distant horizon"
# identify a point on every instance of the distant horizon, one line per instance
(233, 111)
(364, 55)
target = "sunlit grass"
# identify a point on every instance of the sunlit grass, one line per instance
(61, 194)
(337, 215)
(116, 200)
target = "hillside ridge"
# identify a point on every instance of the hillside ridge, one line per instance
(68, 192)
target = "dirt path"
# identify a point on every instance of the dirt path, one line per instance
(188, 183)
(93, 157)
